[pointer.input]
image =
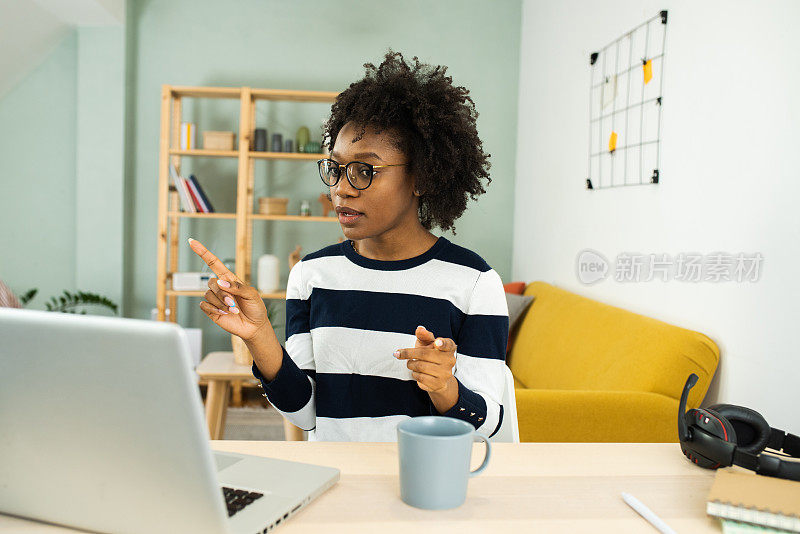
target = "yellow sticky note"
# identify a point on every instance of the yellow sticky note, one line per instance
(612, 142)
(648, 70)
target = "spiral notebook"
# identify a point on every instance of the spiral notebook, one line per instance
(730, 526)
(755, 499)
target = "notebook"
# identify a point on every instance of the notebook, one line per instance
(736, 527)
(755, 499)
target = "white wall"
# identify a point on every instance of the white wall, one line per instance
(730, 178)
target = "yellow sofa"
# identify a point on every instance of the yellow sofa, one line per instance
(588, 371)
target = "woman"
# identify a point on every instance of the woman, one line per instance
(405, 154)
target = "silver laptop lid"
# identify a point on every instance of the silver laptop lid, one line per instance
(101, 425)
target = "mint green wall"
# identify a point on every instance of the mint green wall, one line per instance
(37, 177)
(99, 184)
(62, 171)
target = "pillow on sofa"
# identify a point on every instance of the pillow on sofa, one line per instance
(517, 304)
(516, 288)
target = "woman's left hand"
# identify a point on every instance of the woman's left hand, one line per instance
(431, 362)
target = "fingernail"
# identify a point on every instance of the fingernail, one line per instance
(222, 311)
(190, 240)
(438, 343)
(229, 301)
(234, 309)
(223, 283)
(420, 326)
(397, 354)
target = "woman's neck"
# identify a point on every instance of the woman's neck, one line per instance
(387, 249)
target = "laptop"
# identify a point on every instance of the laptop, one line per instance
(102, 429)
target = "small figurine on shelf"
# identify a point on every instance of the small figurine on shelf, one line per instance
(327, 205)
(305, 209)
(321, 136)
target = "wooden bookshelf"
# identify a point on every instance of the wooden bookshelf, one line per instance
(202, 215)
(169, 211)
(286, 155)
(203, 152)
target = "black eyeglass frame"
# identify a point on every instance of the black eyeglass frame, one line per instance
(347, 171)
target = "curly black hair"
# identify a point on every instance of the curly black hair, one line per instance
(433, 123)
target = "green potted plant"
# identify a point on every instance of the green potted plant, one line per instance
(70, 302)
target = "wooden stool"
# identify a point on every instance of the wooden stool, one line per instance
(219, 369)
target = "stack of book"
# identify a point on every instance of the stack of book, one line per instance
(193, 198)
(746, 502)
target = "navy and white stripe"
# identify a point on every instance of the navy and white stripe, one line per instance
(346, 315)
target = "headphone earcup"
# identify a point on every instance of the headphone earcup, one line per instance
(752, 430)
(729, 430)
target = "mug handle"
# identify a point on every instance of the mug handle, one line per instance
(488, 454)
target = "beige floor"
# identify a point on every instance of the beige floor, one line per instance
(255, 420)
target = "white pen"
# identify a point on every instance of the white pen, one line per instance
(648, 514)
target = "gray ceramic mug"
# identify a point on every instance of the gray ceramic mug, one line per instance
(435, 453)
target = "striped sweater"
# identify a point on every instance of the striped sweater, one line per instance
(345, 316)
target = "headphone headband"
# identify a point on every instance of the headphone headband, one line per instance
(706, 443)
(768, 465)
(784, 441)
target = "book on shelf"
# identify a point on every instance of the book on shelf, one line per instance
(207, 207)
(754, 499)
(188, 136)
(186, 200)
(195, 196)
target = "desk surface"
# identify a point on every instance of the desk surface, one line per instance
(543, 487)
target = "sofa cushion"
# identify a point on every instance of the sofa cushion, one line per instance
(512, 288)
(515, 288)
(598, 416)
(517, 304)
(518, 384)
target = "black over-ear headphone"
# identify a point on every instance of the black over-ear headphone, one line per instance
(725, 434)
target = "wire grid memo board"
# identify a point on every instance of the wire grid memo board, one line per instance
(625, 101)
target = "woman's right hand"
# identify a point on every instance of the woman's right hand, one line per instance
(244, 313)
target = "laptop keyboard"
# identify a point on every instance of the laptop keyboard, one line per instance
(237, 499)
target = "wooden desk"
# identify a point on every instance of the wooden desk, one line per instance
(220, 370)
(527, 487)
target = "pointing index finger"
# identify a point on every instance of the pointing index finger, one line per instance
(217, 267)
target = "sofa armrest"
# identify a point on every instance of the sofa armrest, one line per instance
(599, 416)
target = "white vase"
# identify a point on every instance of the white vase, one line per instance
(269, 273)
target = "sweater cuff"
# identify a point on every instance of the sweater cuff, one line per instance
(290, 390)
(469, 407)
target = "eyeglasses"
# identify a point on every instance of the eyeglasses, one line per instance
(359, 174)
